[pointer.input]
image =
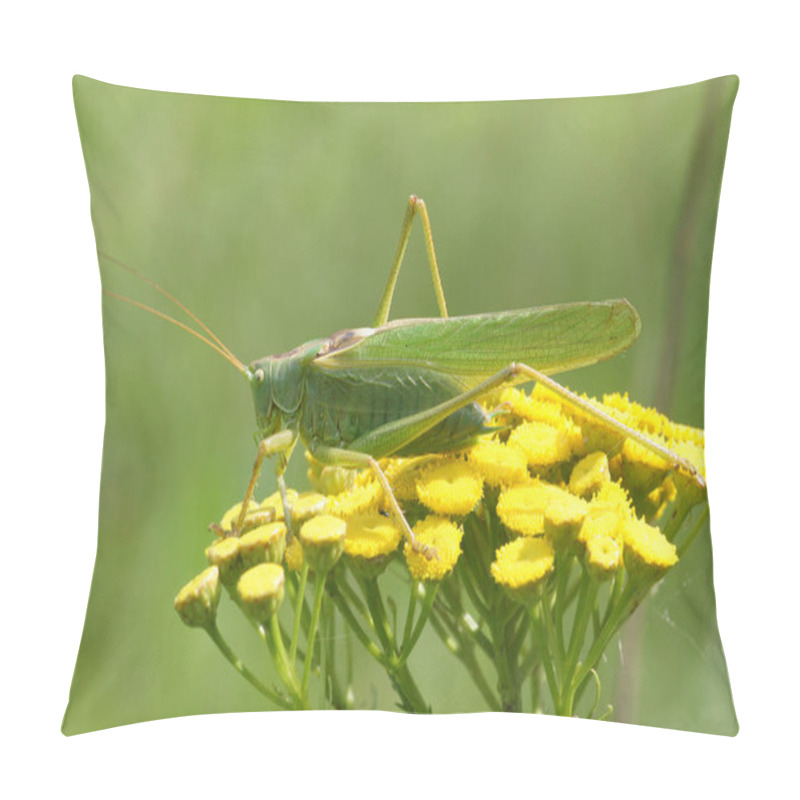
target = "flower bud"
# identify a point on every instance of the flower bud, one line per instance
(225, 555)
(261, 591)
(322, 538)
(307, 505)
(197, 602)
(265, 543)
(647, 552)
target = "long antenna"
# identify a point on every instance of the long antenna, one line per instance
(221, 346)
(212, 340)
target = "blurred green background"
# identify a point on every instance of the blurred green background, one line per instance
(276, 222)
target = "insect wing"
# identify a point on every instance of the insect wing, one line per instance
(551, 339)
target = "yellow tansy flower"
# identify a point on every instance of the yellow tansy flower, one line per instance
(521, 508)
(225, 555)
(603, 555)
(445, 538)
(534, 408)
(294, 555)
(197, 602)
(656, 502)
(365, 495)
(453, 487)
(258, 514)
(499, 464)
(646, 546)
(612, 497)
(371, 535)
(274, 502)
(647, 420)
(676, 432)
(692, 451)
(521, 564)
(371, 541)
(601, 524)
(601, 535)
(545, 445)
(261, 591)
(322, 538)
(691, 493)
(563, 514)
(230, 516)
(264, 543)
(642, 469)
(652, 422)
(328, 479)
(589, 474)
(307, 505)
(538, 507)
(402, 474)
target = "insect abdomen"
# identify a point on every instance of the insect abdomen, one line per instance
(342, 405)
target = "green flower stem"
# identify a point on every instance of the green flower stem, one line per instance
(695, 529)
(627, 603)
(504, 660)
(409, 691)
(456, 622)
(464, 650)
(583, 615)
(399, 673)
(412, 607)
(319, 594)
(523, 631)
(613, 597)
(355, 626)
(333, 689)
(378, 613)
(536, 687)
(541, 631)
(349, 595)
(554, 645)
(597, 690)
(488, 543)
(676, 520)
(409, 643)
(512, 658)
(563, 568)
(298, 614)
(622, 603)
(452, 620)
(281, 660)
(467, 578)
(479, 556)
(533, 657)
(237, 664)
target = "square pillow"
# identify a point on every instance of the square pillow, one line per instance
(562, 561)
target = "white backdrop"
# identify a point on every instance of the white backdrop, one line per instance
(52, 398)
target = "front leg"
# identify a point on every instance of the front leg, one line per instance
(280, 443)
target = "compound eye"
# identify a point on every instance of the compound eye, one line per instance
(259, 375)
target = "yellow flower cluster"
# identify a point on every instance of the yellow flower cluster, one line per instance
(551, 474)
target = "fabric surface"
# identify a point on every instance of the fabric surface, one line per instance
(276, 223)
